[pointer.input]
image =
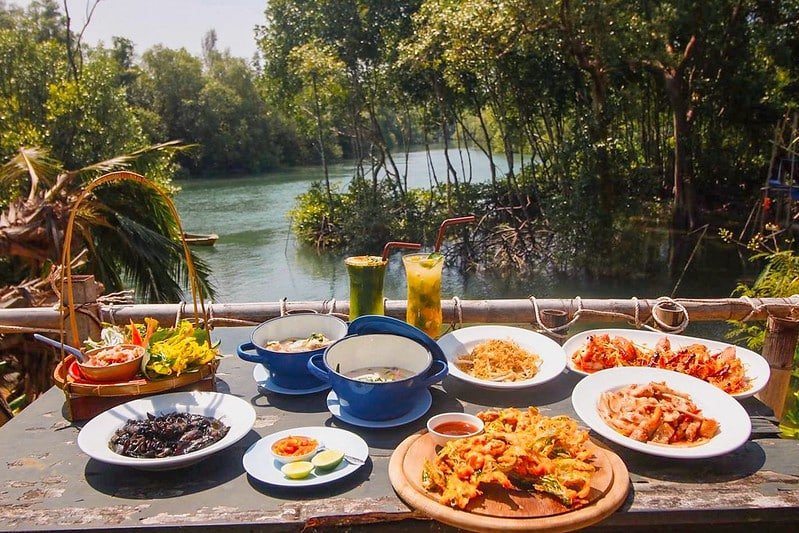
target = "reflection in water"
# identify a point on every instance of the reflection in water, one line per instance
(257, 258)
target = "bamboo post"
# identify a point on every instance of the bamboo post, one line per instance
(555, 318)
(778, 349)
(86, 291)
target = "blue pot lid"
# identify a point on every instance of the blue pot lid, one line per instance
(385, 324)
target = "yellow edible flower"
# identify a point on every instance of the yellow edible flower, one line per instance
(178, 352)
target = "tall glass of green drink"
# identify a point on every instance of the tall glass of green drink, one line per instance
(366, 274)
(424, 291)
(789, 423)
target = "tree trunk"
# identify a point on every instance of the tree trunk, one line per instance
(452, 173)
(683, 203)
(321, 141)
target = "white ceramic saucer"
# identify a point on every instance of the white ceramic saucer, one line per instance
(420, 407)
(260, 464)
(265, 384)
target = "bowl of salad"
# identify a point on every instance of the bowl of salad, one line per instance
(115, 363)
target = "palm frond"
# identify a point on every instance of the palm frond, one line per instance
(31, 164)
(34, 177)
(122, 162)
(126, 226)
(154, 264)
(142, 239)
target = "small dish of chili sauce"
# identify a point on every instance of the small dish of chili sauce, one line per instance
(450, 426)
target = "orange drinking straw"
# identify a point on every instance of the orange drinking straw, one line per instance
(450, 222)
(399, 244)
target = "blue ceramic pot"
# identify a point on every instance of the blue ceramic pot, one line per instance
(290, 370)
(377, 401)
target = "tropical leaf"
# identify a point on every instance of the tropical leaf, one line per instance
(124, 161)
(30, 164)
(142, 233)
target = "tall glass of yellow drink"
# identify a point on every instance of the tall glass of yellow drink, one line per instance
(424, 291)
(789, 423)
(366, 274)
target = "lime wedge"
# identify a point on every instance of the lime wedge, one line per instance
(432, 260)
(297, 470)
(328, 459)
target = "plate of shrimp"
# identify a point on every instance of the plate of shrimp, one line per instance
(661, 412)
(737, 371)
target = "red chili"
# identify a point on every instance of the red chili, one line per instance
(135, 336)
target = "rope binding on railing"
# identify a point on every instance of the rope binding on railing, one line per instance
(664, 303)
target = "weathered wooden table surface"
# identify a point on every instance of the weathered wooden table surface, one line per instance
(47, 483)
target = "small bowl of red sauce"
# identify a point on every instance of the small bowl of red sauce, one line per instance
(450, 426)
(294, 448)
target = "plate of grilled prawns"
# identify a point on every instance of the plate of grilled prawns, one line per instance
(737, 371)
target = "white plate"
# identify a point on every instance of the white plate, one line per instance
(735, 425)
(260, 464)
(232, 411)
(462, 341)
(424, 400)
(755, 366)
(263, 379)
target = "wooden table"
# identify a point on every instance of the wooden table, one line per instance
(47, 483)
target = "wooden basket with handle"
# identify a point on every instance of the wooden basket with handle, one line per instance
(84, 399)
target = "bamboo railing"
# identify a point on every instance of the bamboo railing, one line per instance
(505, 311)
(550, 315)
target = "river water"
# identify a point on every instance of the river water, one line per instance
(258, 259)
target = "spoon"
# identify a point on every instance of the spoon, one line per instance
(56, 344)
(349, 458)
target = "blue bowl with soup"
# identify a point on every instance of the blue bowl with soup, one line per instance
(285, 344)
(377, 376)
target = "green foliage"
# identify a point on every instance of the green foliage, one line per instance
(329, 63)
(593, 92)
(364, 217)
(779, 278)
(216, 105)
(614, 106)
(42, 104)
(311, 218)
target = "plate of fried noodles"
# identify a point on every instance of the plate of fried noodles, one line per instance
(502, 357)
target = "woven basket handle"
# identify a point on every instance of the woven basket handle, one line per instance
(66, 266)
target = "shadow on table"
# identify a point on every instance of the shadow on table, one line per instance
(305, 403)
(738, 464)
(216, 469)
(547, 393)
(315, 492)
(389, 438)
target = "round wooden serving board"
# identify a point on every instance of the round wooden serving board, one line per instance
(499, 509)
